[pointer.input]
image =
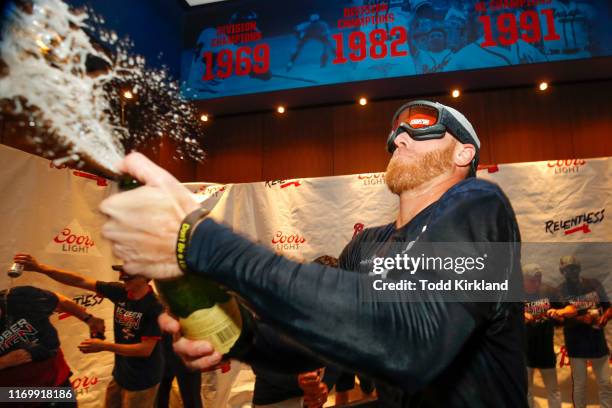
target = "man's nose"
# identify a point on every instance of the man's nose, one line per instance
(402, 140)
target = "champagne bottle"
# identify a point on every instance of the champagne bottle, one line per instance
(205, 311)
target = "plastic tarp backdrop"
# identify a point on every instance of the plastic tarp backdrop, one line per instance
(52, 213)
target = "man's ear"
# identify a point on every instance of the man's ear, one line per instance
(465, 155)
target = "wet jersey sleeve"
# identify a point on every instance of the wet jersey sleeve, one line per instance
(400, 339)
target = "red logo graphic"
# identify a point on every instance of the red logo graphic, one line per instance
(373, 178)
(357, 228)
(282, 183)
(213, 191)
(128, 318)
(74, 239)
(584, 228)
(67, 237)
(564, 360)
(100, 181)
(287, 241)
(81, 384)
(491, 168)
(291, 183)
(566, 166)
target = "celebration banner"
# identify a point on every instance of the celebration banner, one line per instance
(561, 207)
(264, 46)
(52, 213)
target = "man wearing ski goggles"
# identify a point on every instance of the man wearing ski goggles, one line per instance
(424, 120)
(452, 350)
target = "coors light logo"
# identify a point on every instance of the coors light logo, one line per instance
(372, 178)
(283, 241)
(73, 239)
(82, 385)
(566, 166)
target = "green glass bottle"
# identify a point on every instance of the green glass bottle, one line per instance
(205, 311)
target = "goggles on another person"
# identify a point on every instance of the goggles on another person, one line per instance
(425, 120)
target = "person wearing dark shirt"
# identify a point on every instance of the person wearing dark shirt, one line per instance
(284, 390)
(542, 308)
(584, 335)
(30, 353)
(188, 381)
(435, 353)
(138, 357)
(346, 380)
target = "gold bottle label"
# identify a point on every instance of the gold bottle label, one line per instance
(220, 325)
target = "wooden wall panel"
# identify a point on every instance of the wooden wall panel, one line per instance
(514, 125)
(234, 150)
(298, 144)
(360, 137)
(589, 112)
(182, 167)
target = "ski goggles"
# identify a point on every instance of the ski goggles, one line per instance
(425, 120)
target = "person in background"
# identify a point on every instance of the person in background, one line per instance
(584, 338)
(138, 356)
(188, 381)
(30, 352)
(283, 390)
(344, 381)
(542, 308)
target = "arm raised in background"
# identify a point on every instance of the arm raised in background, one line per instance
(66, 305)
(67, 278)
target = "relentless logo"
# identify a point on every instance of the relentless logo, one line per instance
(566, 166)
(73, 239)
(85, 300)
(576, 223)
(284, 241)
(19, 332)
(282, 183)
(372, 178)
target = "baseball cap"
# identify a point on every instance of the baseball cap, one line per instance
(532, 270)
(123, 276)
(568, 260)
